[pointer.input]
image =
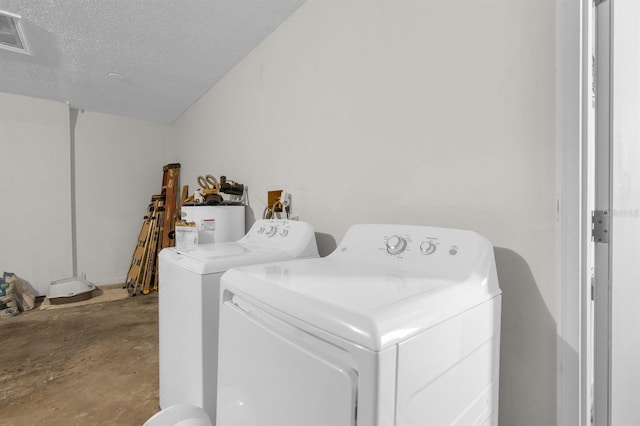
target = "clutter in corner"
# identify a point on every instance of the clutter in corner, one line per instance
(16, 295)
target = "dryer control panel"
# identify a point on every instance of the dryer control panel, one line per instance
(439, 252)
(397, 244)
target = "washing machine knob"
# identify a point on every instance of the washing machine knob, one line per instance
(271, 231)
(396, 245)
(427, 247)
(284, 232)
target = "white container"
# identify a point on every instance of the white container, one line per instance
(70, 290)
(180, 415)
(216, 224)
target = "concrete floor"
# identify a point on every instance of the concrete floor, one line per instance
(84, 365)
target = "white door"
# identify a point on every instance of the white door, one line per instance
(617, 255)
(273, 374)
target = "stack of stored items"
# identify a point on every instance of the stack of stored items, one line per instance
(156, 233)
(15, 295)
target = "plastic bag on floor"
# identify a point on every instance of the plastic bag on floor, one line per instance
(23, 293)
(8, 304)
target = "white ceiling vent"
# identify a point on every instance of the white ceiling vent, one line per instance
(11, 33)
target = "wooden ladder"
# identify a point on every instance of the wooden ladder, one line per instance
(170, 182)
(145, 252)
(155, 234)
(151, 269)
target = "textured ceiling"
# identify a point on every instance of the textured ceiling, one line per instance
(147, 59)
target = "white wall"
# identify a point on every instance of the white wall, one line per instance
(35, 221)
(118, 167)
(421, 112)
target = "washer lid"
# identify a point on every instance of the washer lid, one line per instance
(216, 258)
(266, 241)
(372, 302)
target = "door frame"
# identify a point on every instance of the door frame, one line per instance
(573, 218)
(602, 201)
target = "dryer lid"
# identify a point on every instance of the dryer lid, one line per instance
(373, 301)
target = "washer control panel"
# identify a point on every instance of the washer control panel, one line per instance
(272, 229)
(295, 237)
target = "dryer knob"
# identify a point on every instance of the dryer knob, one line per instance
(271, 231)
(396, 245)
(427, 247)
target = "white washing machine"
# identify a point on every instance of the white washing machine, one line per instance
(216, 224)
(189, 289)
(400, 325)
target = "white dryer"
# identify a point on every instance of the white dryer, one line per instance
(189, 289)
(400, 325)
